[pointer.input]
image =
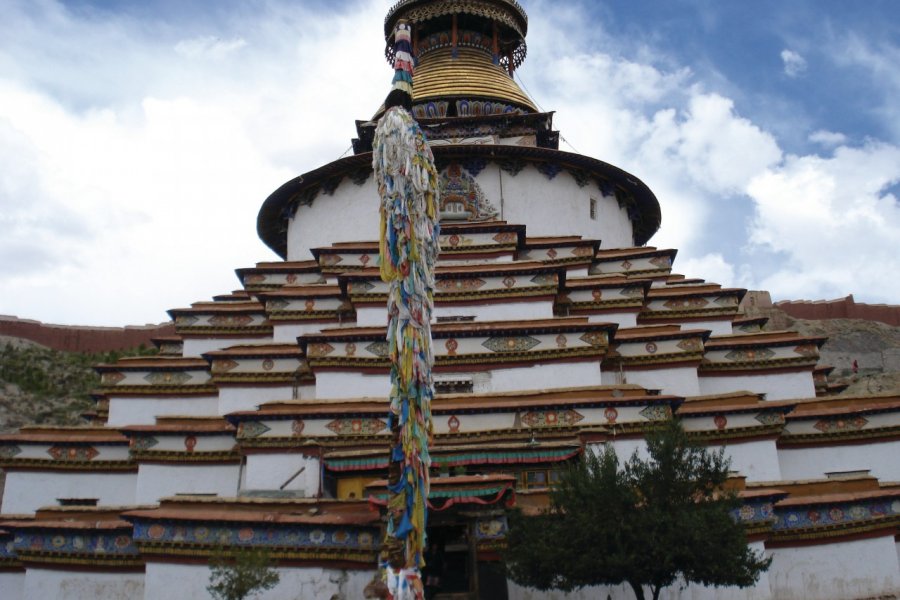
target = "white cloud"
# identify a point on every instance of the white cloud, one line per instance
(209, 46)
(712, 267)
(832, 222)
(827, 139)
(794, 63)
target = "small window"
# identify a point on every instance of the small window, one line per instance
(594, 209)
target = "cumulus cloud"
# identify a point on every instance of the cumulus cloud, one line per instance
(794, 63)
(833, 223)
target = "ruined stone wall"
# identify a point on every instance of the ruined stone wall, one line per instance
(74, 338)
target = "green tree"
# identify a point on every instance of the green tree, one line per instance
(235, 573)
(645, 523)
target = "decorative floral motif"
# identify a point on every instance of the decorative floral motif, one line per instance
(662, 262)
(451, 345)
(513, 167)
(611, 415)
(521, 343)
(627, 264)
(185, 320)
(379, 349)
(222, 365)
(297, 427)
(309, 305)
(807, 350)
(561, 341)
(720, 421)
(73, 453)
(190, 442)
(268, 364)
(770, 418)
(142, 442)
(291, 278)
(750, 355)
(509, 281)
(551, 418)
(167, 378)
(545, 279)
(430, 110)
(368, 426)
(111, 378)
(462, 198)
(651, 347)
(364, 259)
(690, 344)
(548, 170)
(491, 529)
(685, 303)
(316, 349)
(252, 429)
(552, 253)
(230, 320)
(506, 237)
(360, 287)
(276, 305)
(453, 285)
(475, 165)
(254, 279)
(841, 424)
(350, 349)
(656, 412)
(9, 451)
(453, 424)
(582, 251)
(726, 301)
(330, 260)
(594, 338)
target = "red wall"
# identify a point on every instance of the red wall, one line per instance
(844, 308)
(73, 338)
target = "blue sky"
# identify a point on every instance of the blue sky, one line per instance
(138, 139)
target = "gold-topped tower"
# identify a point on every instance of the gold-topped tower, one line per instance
(466, 52)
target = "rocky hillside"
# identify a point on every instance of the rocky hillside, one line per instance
(43, 386)
(874, 346)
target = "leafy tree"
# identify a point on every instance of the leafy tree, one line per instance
(646, 523)
(237, 573)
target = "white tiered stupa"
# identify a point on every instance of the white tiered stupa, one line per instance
(263, 422)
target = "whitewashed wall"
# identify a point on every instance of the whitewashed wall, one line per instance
(556, 207)
(12, 585)
(270, 471)
(680, 381)
(26, 491)
(622, 319)
(837, 571)
(170, 581)
(195, 347)
(777, 386)
(757, 459)
(52, 584)
(157, 481)
(880, 458)
(143, 410)
(233, 398)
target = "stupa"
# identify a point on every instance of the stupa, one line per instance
(262, 423)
